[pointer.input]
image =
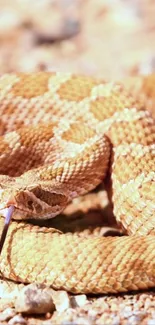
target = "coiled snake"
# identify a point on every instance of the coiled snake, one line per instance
(61, 134)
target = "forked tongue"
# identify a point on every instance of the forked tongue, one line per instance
(8, 212)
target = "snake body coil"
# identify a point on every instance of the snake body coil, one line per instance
(61, 134)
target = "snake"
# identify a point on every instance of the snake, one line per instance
(61, 135)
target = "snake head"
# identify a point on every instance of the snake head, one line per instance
(37, 201)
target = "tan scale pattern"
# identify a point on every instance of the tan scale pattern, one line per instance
(61, 135)
(81, 88)
(78, 134)
(27, 87)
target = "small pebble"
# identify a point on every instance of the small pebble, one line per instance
(17, 320)
(7, 314)
(79, 300)
(61, 300)
(35, 299)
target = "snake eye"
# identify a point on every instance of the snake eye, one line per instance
(30, 204)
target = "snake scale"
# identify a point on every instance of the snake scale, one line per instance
(61, 135)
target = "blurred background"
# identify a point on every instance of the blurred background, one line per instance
(111, 39)
(106, 38)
